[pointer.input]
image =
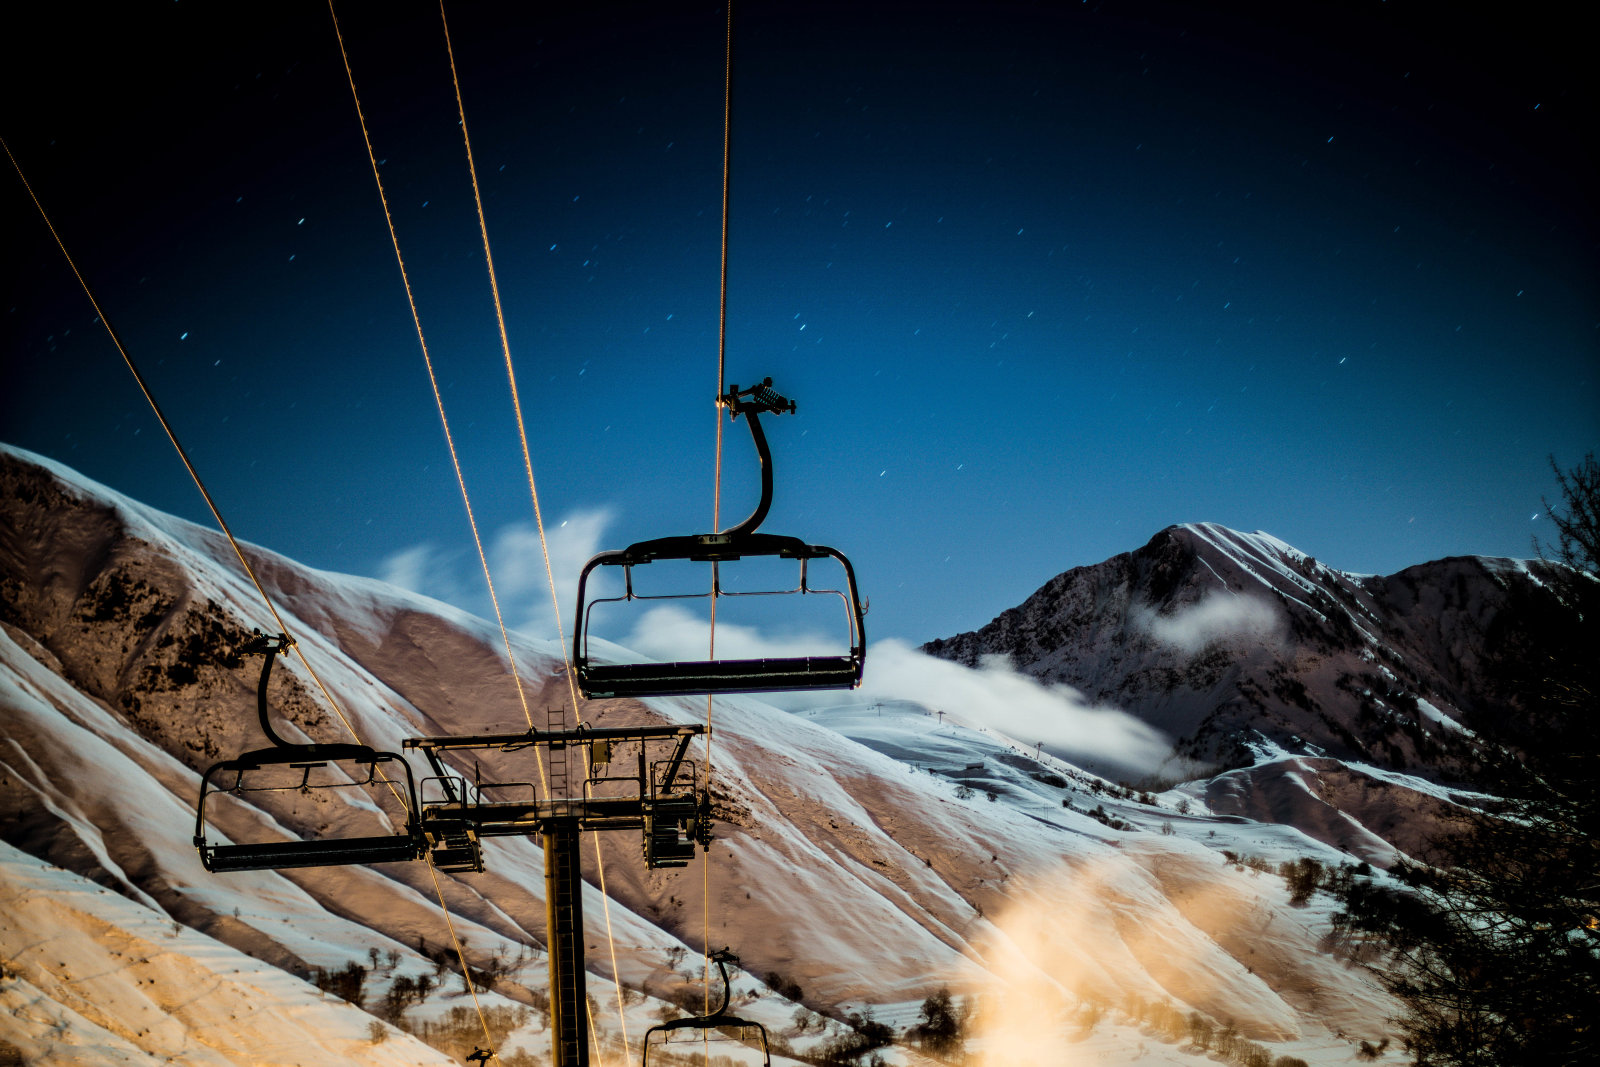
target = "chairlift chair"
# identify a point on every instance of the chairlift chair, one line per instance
(746, 1032)
(367, 764)
(676, 818)
(450, 834)
(763, 675)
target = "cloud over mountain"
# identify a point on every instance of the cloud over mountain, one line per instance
(1217, 616)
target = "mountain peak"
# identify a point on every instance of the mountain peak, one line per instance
(1228, 640)
(1226, 539)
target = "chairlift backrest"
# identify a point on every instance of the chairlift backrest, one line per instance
(764, 675)
(698, 1031)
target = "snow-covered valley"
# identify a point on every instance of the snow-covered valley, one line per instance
(870, 848)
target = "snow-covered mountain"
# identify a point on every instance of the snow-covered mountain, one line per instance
(1255, 656)
(866, 855)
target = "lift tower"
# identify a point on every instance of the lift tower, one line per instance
(659, 795)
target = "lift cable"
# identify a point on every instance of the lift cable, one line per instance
(511, 374)
(533, 488)
(477, 540)
(461, 955)
(722, 287)
(183, 454)
(222, 523)
(433, 380)
(716, 491)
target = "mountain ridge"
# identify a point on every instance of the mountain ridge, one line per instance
(1226, 639)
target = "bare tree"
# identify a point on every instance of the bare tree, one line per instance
(1490, 937)
(1578, 529)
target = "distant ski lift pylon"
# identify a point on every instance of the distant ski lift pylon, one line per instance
(764, 675)
(287, 767)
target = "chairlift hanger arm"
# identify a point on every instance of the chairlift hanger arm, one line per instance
(752, 402)
(721, 957)
(270, 645)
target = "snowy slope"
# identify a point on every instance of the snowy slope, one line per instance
(867, 854)
(93, 977)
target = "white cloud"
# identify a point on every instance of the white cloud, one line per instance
(1216, 616)
(994, 695)
(517, 564)
(997, 696)
(671, 633)
(427, 570)
(409, 568)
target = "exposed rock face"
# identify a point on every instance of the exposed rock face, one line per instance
(1225, 640)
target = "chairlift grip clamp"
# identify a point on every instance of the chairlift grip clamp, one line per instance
(763, 398)
(270, 644)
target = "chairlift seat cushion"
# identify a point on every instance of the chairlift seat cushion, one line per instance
(295, 755)
(278, 855)
(719, 676)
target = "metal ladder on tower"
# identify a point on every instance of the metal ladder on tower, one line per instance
(560, 799)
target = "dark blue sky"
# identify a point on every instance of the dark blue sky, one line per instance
(1042, 278)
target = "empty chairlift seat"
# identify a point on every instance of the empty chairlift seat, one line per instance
(307, 769)
(764, 675)
(742, 1041)
(841, 670)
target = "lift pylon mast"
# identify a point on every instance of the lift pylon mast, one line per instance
(563, 902)
(661, 797)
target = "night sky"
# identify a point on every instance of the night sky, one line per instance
(1042, 278)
